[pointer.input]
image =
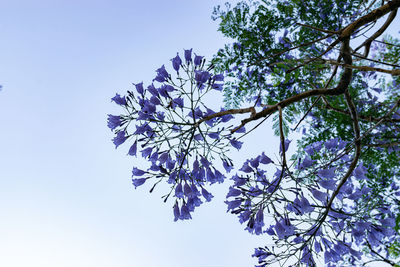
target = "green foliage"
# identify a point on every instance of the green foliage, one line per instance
(269, 60)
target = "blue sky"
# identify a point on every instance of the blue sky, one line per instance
(66, 197)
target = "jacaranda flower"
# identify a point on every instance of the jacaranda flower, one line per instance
(119, 139)
(113, 121)
(176, 62)
(119, 100)
(197, 60)
(188, 55)
(138, 182)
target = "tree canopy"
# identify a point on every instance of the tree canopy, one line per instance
(324, 69)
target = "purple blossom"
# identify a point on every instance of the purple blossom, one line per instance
(360, 172)
(226, 118)
(241, 130)
(155, 101)
(162, 74)
(179, 191)
(259, 220)
(179, 102)
(273, 185)
(217, 86)
(228, 167)
(321, 196)
(244, 216)
(197, 60)
(138, 182)
(176, 62)
(188, 55)
(331, 144)
(163, 157)
(302, 206)
(261, 255)
(139, 88)
(239, 181)
(153, 158)
(255, 162)
(307, 162)
(208, 196)
(280, 230)
(141, 129)
(154, 167)
(148, 108)
(305, 205)
(197, 113)
(204, 162)
(328, 184)
(119, 100)
(177, 213)
(170, 163)
(195, 191)
(219, 176)
(236, 144)
(218, 77)
(137, 172)
(265, 159)
(356, 195)
(163, 92)
(146, 152)
(327, 173)
(214, 135)
(388, 222)
(246, 168)
(119, 139)
(283, 229)
(152, 90)
(187, 190)
(201, 77)
(194, 202)
(142, 116)
(133, 149)
(270, 230)
(233, 192)
(169, 88)
(317, 247)
(233, 204)
(211, 176)
(113, 121)
(314, 147)
(307, 257)
(185, 213)
(198, 137)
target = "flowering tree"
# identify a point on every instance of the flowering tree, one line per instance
(320, 68)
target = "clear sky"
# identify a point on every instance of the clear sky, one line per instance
(66, 197)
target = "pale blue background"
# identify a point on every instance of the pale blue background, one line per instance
(66, 197)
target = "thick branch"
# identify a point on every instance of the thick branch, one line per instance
(370, 17)
(383, 144)
(227, 112)
(361, 117)
(344, 82)
(367, 43)
(394, 72)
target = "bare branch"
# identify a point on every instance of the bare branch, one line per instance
(394, 72)
(367, 43)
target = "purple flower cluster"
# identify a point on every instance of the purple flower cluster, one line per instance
(169, 128)
(322, 206)
(298, 203)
